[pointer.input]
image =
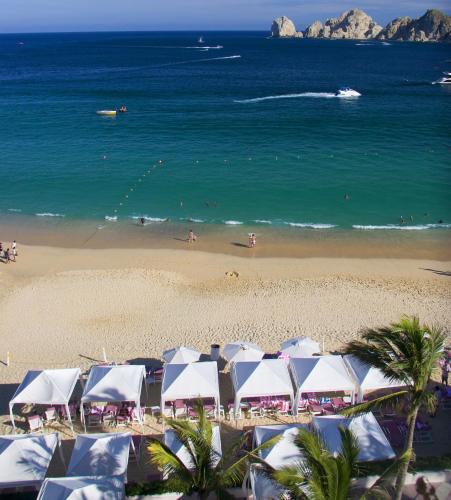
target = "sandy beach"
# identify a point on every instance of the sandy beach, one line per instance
(61, 307)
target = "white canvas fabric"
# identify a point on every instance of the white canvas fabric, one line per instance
(100, 455)
(300, 347)
(173, 443)
(24, 459)
(82, 488)
(368, 378)
(320, 374)
(242, 351)
(46, 387)
(268, 377)
(371, 439)
(190, 381)
(284, 452)
(181, 355)
(263, 487)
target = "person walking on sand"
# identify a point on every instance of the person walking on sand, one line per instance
(445, 373)
(14, 251)
(6, 256)
(252, 240)
(191, 236)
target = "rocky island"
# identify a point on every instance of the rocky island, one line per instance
(356, 24)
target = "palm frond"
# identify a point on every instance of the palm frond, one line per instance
(360, 408)
(169, 462)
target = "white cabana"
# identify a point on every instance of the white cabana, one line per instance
(101, 455)
(371, 439)
(24, 459)
(181, 355)
(174, 444)
(284, 452)
(263, 487)
(268, 377)
(300, 347)
(242, 351)
(82, 488)
(368, 378)
(115, 383)
(46, 387)
(320, 374)
(190, 381)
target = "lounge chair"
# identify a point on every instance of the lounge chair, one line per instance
(35, 423)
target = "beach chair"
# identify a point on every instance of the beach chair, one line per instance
(35, 423)
(180, 409)
(50, 415)
(94, 420)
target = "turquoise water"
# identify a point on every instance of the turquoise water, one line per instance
(227, 155)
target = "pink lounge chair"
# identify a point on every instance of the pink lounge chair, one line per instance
(51, 415)
(315, 409)
(35, 423)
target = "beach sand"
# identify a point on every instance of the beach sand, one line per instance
(60, 307)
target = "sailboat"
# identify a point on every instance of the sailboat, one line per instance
(201, 39)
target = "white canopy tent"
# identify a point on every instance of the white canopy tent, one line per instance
(181, 355)
(175, 445)
(242, 351)
(371, 439)
(300, 347)
(320, 374)
(115, 383)
(46, 387)
(368, 378)
(268, 377)
(284, 452)
(82, 488)
(190, 381)
(101, 455)
(24, 459)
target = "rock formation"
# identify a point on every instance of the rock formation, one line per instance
(284, 27)
(432, 26)
(355, 24)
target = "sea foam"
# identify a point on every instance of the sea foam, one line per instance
(311, 225)
(49, 214)
(418, 227)
(233, 222)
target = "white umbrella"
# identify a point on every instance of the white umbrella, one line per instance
(300, 347)
(242, 351)
(181, 355)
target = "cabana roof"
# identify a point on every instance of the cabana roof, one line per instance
(181, 355)
(47, 386)
(190, 381)
(369, 378)
(284, 452)
(94, 488)
(174, 444)
(114, 383)
(371, 439)
(321, 374)
(100, 455)
(24, 459)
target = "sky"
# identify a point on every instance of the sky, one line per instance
(20, 16)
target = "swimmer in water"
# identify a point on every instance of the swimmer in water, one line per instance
(347, 197)
(141, 220)
(402, 220)
(181, 203)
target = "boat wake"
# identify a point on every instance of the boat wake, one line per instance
(324, 95)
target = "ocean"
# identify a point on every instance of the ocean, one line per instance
(240, 130)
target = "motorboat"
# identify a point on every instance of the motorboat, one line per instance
(107, 112)
(347, 92)
(445, 80)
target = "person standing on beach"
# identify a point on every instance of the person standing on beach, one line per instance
(252, 240)
(14, 250)
(445, 373)
(6, 256)
(191, 236)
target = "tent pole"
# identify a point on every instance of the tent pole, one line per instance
(69, 418)
(12, 416)
(60, 450)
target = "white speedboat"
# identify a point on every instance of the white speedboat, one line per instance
(445, 80)
(347, 92)
(107, 112)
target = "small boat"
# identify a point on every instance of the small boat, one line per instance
(347, 92)
(200, 40)
(446, 80)
(107, 112)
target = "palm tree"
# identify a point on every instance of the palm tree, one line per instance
(208, 472)
(406, 351)
(322, 475)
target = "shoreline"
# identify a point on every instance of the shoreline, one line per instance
(272, 241)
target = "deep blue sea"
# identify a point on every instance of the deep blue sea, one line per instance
(239, 129)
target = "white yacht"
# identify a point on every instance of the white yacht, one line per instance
(445, 80)
(347, 92)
